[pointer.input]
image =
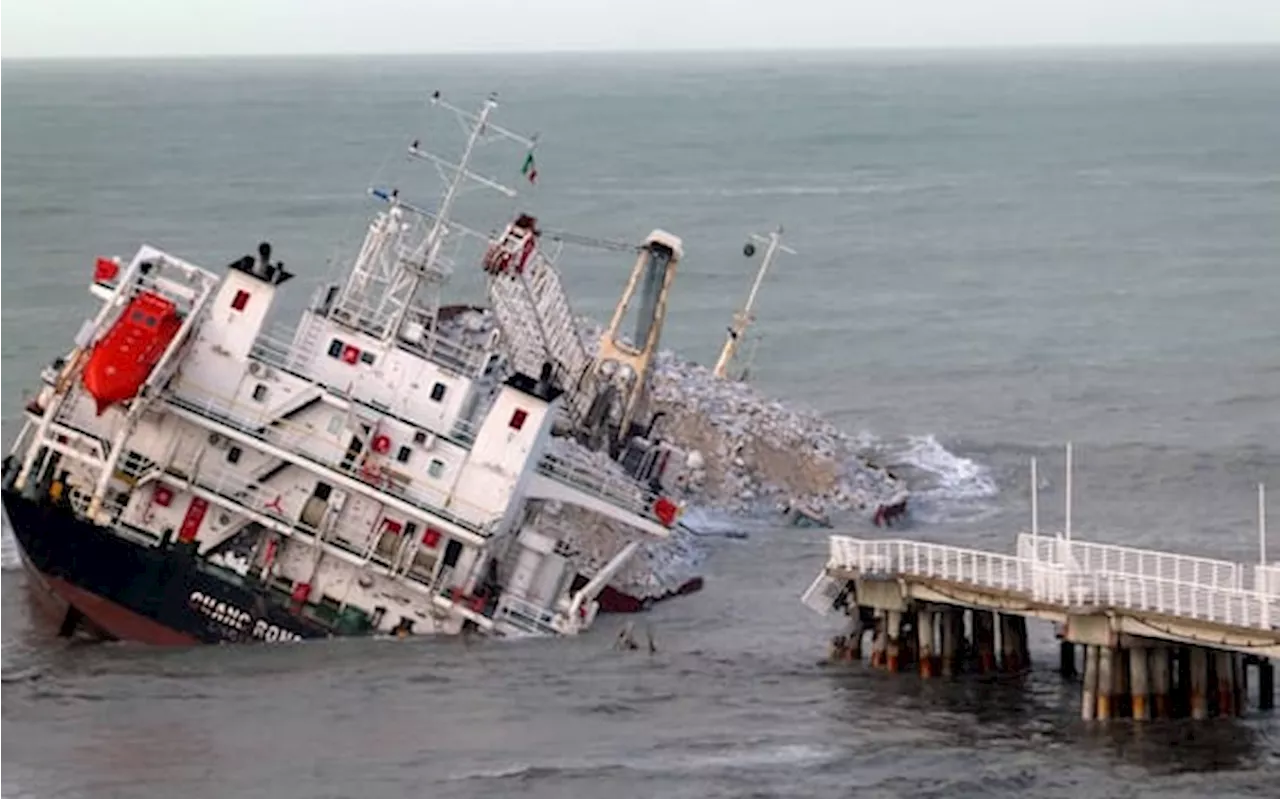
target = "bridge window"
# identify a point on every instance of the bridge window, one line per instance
(233, 455)
(259, 392)
(403, 455)
(435, 468)
(240, 301)
(367, 357)
(335, 348)
(437, 392)
(517, 418)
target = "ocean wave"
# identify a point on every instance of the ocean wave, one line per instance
(731, 758)
(944, 486)
(9, 558)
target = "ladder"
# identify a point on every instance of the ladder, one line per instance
(532, 310)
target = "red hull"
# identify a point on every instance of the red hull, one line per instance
(614, 601)
(101, 618)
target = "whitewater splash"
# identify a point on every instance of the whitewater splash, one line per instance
(9, 558)
(945, 487)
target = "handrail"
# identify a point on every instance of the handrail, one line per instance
(1090, 556)
(527, 616)
(437, 345)
(431, 501)
(624, 493)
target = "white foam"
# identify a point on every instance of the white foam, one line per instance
(954, 487)
(9, 558)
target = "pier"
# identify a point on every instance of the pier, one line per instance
(1150, 634)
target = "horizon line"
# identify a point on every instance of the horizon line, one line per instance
(710, 51)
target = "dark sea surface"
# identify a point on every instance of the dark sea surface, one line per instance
(996, 253)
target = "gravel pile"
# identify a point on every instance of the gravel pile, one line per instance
(748, 456)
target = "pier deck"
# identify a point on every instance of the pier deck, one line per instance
(1159, 628)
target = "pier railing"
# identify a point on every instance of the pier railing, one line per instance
(1100, 577)
(939, 561)
(1092, 557)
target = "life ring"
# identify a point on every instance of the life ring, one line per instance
(381, 444)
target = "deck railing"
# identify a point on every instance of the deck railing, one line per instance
(303, 444)
(526, 616)
(596, 481)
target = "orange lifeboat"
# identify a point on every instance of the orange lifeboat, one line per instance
(122, 359)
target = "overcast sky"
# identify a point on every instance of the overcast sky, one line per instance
(56, 28)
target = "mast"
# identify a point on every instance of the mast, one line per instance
(402, 252)
(742, 320)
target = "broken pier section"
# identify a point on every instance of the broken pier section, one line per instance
(1150, 634)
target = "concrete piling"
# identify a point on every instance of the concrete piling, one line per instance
(984, 640)
(1240, 672)
(1182, 688)
(1139, 684)
(1158, 664)
(1024, 648)
(1089, 696)
(1123, 675)
(1067, 659)
(880, 641)
(1132, 677)
(1013, 643)
(924, 643)
(1106, 681)
(1120, 707)
(893, 648)
(1224, 671)
(908, 648)
(952, 620)
(1198, 694)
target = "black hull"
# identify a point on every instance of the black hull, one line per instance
(129, 591)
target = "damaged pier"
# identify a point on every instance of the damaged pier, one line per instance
(1150, 634)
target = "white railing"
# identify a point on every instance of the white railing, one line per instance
(1175, 599)
(590, 479)
(917, 558)
(307, 445)
(294, 349)
(1266, 579)
(291, 350)
(436, 344)
(526, 616)
(1066, 585)
(1091, 557)
(250, 495)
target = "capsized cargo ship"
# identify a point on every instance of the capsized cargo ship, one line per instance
(186, 475)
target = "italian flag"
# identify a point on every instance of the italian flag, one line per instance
(530, 169)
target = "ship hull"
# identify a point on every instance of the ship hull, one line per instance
(110, 587)
(613, 600)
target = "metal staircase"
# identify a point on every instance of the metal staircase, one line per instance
(532, 309)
